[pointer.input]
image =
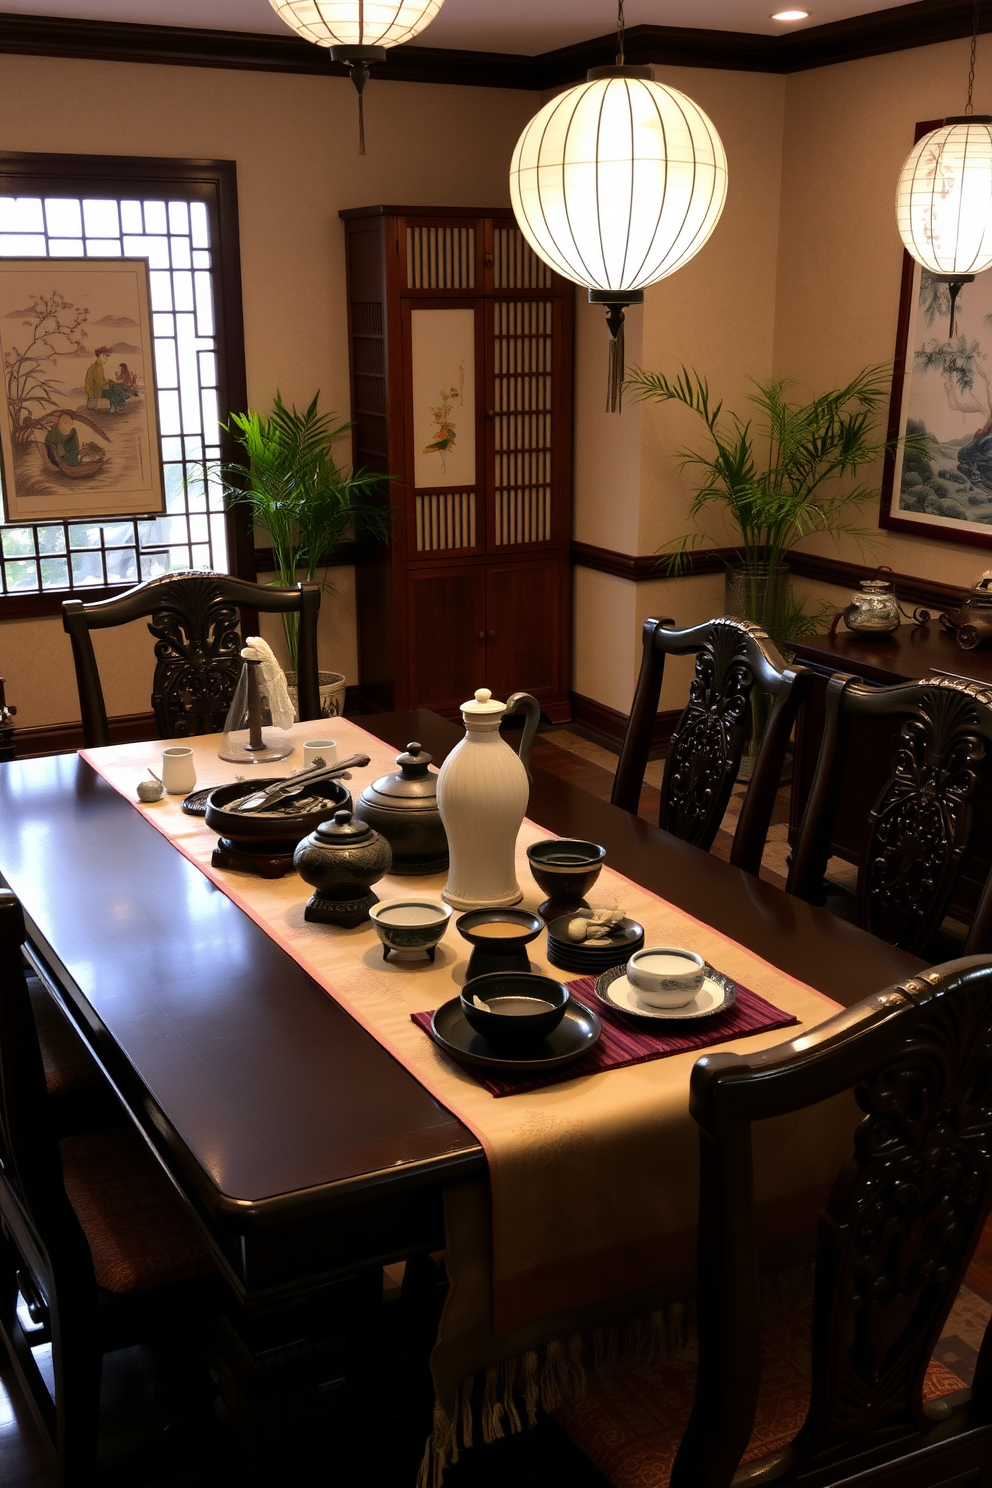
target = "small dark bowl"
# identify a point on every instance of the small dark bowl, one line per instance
(566, 870)
(517, 1027)
(529, 925)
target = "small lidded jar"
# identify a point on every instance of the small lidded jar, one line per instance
(342, 859)
(403, 808)
(875, 609)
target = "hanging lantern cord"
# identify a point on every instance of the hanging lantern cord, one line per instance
(620, 52)
(971, 70)
(357, 60)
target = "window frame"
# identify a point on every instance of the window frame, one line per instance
(214, 182)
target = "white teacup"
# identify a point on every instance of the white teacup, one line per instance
(666, 976)
(178, 770)
(315, 749)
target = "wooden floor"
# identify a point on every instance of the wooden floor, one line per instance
(147, 1443)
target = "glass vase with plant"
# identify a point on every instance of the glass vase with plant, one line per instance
(787, 473)
(297, 494)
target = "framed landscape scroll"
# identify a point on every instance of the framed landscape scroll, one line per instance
(78, 418)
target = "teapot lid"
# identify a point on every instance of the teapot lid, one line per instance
(483, 704)
(413, 782)
(342, 831)
(876, 586)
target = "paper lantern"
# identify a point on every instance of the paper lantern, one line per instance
(358, 32)
(944, 201)
(617, 183)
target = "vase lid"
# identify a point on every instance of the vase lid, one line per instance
(342, 831)
(483, 705)
(412, 784)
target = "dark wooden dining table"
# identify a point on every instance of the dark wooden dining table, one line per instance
(309, 1155)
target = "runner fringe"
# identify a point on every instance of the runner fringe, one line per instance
(512, 1389)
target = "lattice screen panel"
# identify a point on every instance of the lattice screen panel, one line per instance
(445, 521)
(174, 236)
(515, 264)
(522, 406)
(440, 257)
(368, 338)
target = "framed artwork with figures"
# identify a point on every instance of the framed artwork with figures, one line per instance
(942, 393)
(78, 418)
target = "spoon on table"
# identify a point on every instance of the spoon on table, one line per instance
(294, 784)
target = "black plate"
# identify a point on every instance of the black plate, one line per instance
(196, 804)
(629, 932)
(575, 1035)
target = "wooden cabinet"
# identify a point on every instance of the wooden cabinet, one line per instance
(461, 368)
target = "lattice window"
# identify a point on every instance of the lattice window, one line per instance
(445, 520)
(175, 237)
(440, 257)
(522, 394)
(515, 264)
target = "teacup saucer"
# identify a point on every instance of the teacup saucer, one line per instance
(575, 1035)
(718, 993)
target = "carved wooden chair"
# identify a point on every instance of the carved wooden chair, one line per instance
(861, 1401)
(194, 619)
(94, 1239)
(919, 830)
(732, 658)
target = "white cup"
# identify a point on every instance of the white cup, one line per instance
(666, 976)
(178, 770)
(325, 749)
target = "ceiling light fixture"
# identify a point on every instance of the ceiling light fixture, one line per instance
(616, 184)
(358, 32)
(791, 15)
(944, 195)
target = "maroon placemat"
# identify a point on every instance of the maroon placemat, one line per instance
(626, 1041)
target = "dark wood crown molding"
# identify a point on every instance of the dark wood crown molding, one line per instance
(899, 29)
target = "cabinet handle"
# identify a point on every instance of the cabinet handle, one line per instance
(490, 413)
(482, 635)
(492, 635)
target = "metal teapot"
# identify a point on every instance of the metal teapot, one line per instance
(875, 610)
(972, 623)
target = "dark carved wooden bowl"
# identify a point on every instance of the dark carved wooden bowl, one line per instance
(260, 843)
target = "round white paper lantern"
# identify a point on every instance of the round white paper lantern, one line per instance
(617, 183)
(357, 23)
(944, 197)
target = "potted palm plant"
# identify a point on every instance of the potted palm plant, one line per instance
(303, 502)
(788, 474)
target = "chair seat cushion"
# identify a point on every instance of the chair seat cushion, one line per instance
(630, 1422)
(139, 1233)
(69, 1067)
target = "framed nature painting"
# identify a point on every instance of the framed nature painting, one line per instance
(78, 419)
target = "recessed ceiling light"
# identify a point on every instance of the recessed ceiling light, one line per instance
(791, 15)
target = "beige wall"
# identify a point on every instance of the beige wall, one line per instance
(295, 143)
(717, 315)
(847, 131)
(801, 277)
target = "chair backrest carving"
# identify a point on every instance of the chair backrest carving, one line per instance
(896, 1237)
(194, 617)
(198, 658)
(734, 661)
(920, 826)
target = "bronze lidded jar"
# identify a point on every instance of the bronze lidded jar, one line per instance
(342, 859)
(402, 807)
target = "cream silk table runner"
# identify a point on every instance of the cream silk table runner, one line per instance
(589, 1213)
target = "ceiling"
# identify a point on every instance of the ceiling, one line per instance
(522, 26)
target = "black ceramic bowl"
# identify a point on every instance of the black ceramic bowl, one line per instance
(523, 1007)
(261, 833)
(565, 869)
(516, 928)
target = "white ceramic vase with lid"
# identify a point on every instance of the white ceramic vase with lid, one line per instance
(482, 792)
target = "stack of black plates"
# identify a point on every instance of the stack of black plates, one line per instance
(592, 960)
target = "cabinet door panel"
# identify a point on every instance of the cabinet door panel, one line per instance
(447, 636)
(523, 609)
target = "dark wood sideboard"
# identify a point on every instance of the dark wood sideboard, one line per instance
(909, 653)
